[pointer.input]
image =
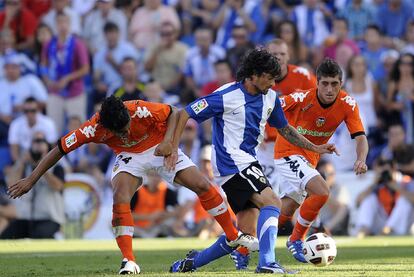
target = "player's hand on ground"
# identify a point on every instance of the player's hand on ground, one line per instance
(360, 167)
(21, 187)
(327, 148)
(171, 160)
(163, 149)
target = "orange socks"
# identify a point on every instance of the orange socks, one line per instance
(123, 226)
(307, 214)
(283, 219)
(214, 204)
(243, 250)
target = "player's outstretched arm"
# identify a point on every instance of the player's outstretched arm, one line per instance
(171, 160)
(292, 135)
(165, 147)
(24, 185)
(362, 148)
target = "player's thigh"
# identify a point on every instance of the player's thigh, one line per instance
(317, 186)
(192, 179)
(240, 188)
(266, 198)
(127, 176)
(293, 173)
(247, 220)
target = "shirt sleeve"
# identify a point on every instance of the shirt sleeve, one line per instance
(277, 118)
(76, 138)
(206, 107)
(353, 121)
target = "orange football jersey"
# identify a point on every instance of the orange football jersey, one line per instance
(296, 78)
(148, 127)
(304, 112)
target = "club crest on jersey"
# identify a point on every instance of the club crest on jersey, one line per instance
(199, 106)
(320, 121)
(70, 140)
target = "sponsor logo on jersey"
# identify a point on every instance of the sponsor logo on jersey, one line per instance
(142, 112)
(115, 168)
(350, 101)
(71, 140)
(299, 96)
(313, 133)
(89, 131)
(320, 121)
(199, 106)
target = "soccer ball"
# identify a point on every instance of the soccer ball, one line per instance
(319, 249)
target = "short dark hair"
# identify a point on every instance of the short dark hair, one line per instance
(374, 27)
(110, 27)
(328, 68)
(30, 99)
(223, 61)
(113, 114)
(257, 62)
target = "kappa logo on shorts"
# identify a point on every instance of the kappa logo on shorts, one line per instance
(71, 140)
(199, 106)
(294, 166)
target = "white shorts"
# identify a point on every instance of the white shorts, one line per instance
(293, 174)
(265, 154)
(139, 164)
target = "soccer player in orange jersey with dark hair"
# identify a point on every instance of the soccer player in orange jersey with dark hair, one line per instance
(315, 113)
(141, 134)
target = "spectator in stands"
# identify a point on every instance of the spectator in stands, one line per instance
(190, 144)
(310, 21)
(165, 60)
(21, 87)
(23, 128)
(38, 7)
(361, 86)
(381, 208)
(43, 36)
(388, 60)
(358, 15)
(339, 46)
(233, 13)
(372, 51)
(202, 14)
(392, 18)
(155, 209)
(65, 63)
(61, 6)
(21, 21)
(335, 214)
(153, 92)
(224, 75)
(242, 44)
(287, 31)
(108, 59)
(400, 95)
(93, 27)
(40, 213)
(396, 138)
(131, 88)
(146, 22)
(409, 39)
(199, 65)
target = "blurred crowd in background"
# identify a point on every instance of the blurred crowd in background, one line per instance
(59, 59)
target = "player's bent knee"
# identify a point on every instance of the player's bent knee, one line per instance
(270, 199)
(201, 186)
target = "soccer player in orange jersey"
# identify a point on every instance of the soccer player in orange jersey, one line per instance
(141, 134)
(315, 113)
(292, 77)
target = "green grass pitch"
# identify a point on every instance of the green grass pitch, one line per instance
(378, 256)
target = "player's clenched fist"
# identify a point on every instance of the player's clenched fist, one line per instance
(360, 167)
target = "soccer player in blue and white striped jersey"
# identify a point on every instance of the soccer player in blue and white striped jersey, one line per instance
(240, 111)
